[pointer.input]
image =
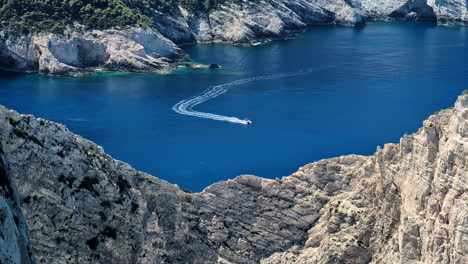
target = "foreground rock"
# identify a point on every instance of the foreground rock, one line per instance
(14, 239)
(407, 203)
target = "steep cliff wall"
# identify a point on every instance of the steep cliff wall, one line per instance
(450, 12)
(14, 239)
(76, 52)
(407, 203)
(247, 23)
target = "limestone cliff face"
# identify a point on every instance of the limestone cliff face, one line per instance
(14, 239)
(407, 203)
(77, 52)
(247, 23)
(382, 10)
(450, 12)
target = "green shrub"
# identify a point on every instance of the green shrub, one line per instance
(54, 15)
(90, 152)
(20, 133)
(13, 122)
(36, 140)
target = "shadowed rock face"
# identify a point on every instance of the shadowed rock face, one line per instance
(7, 63)
(407, 203)
(9, 60)
(80, 52)
(14, 238)
(415, 10)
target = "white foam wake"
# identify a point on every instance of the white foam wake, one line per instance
(185, 107)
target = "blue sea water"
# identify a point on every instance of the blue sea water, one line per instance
(364, 87)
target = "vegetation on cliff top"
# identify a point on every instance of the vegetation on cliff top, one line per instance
(55, 15)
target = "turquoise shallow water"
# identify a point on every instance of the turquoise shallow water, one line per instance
(364, 87)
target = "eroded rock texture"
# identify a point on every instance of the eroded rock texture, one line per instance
(77, 52)
(410, 205)
(407, 203)
(14, 239)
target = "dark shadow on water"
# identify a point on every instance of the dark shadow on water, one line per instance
(6, 74)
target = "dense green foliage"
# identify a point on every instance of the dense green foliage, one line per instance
(55, 15)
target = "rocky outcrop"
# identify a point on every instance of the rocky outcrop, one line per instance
(450, 12)
(247, 23)
(14, 239)
(251, 22)
(407, 203)
(383, 10)
(414, 10)
(78, 52)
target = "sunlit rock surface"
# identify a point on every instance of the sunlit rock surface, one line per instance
(77, 52)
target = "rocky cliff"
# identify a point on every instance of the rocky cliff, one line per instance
(14, 239)
(143, 49)
(407, 203)
(76, 52)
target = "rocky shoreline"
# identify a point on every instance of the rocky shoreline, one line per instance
(142, 49)
(407, 203)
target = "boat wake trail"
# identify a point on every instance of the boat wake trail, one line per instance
(185, 107)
